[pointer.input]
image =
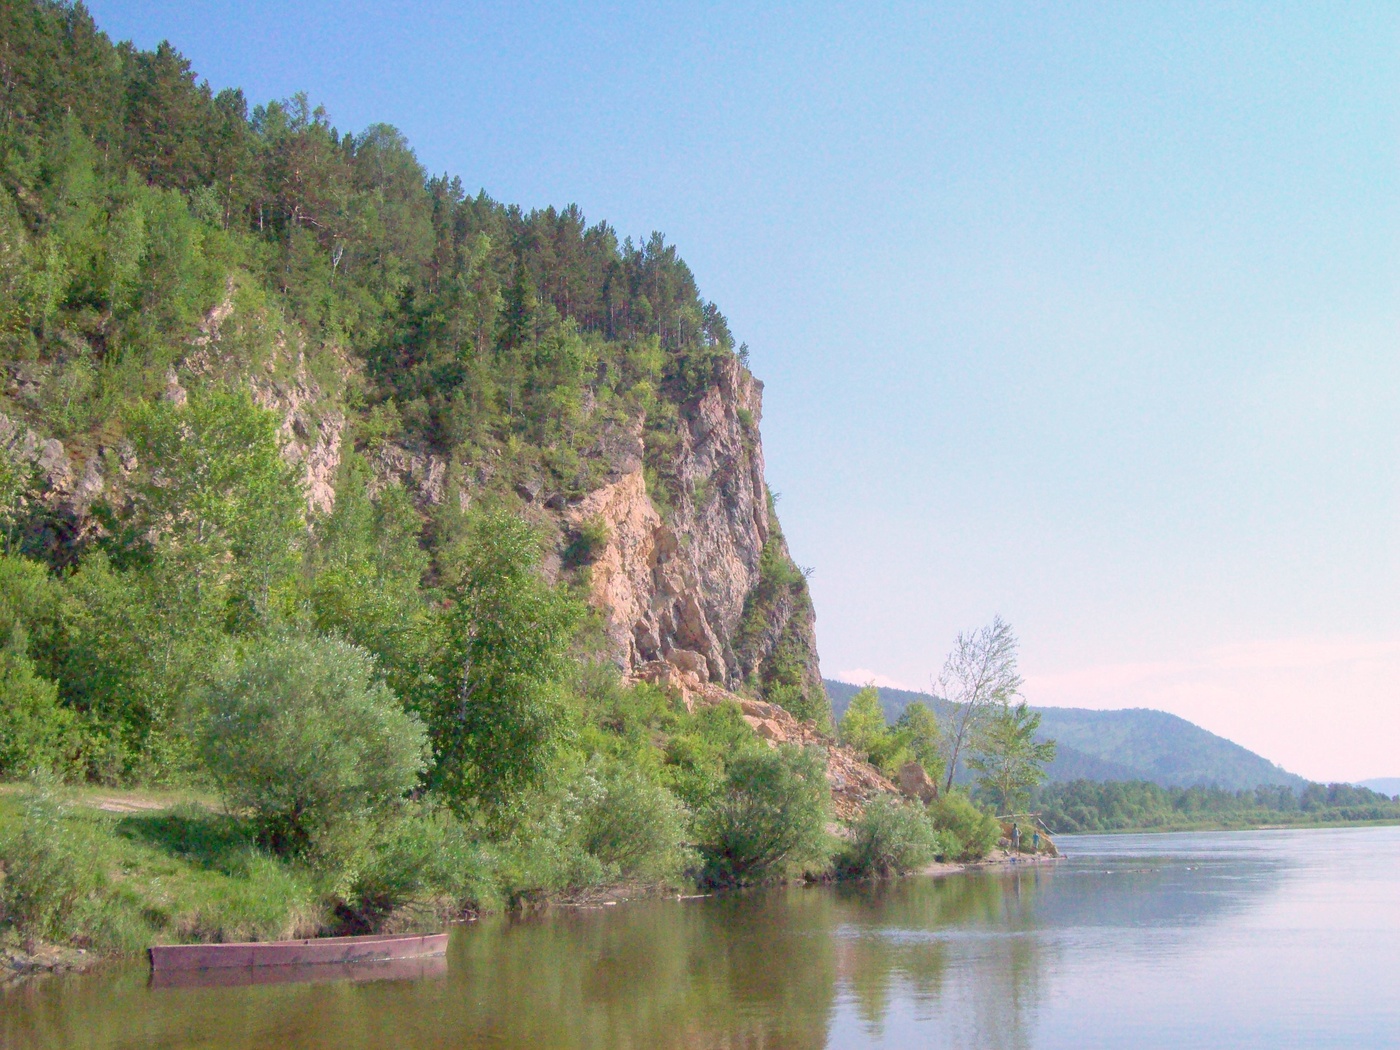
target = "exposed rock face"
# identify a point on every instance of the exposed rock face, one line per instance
(55, 494)
(681, 590)
(310, 433)
(706, 587)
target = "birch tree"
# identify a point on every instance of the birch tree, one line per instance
(979, 676)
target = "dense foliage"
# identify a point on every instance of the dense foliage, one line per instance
(915, 737)
(1010, 760)
(398, 696)
(1088, 806)
(769, 817)
(892, 837)
(304, 738)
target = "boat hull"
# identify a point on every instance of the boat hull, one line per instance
(311, 951)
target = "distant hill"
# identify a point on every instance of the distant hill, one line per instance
(1133, 744)
(1384, 785)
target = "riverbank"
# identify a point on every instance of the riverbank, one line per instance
(91, 873)
(999, 860)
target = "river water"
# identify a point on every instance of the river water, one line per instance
(1265, 938)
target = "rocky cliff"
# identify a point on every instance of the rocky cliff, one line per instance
(689, 570)
(708, 588)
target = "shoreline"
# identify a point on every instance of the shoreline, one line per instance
(22, 961)
(1182, 829)
(999, 861)
(19, 963)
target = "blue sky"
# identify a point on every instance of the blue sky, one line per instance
(1084, 314)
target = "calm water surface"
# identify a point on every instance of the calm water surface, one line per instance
(1269, 939)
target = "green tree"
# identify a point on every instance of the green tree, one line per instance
(770, 817)
(222, 509)
(37, 733)
(365, 575)
(304, 735)
(1009, 758)
(501, 710)
(166, 113)
(918, 730)
(863, 727)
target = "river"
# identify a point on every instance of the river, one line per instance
(1264, 938)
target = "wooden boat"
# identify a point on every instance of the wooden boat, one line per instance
(311, 951)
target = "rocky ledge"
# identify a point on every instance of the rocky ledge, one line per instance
(853, 781)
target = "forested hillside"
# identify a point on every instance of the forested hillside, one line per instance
(428, 532)
(1135, 744)
(190, 285)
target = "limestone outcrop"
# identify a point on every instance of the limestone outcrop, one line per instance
(697, 576)
(689, 589)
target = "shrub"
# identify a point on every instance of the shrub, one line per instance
(770, 817)
(697, 755)
(544, 851)
(588, 542)
(888, 838)
(973, 830)
(36, 731)
(632, 824)
(423, 861)
(303, 736)
(53, 866)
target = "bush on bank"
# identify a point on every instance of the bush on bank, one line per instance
(302, 736)
(890, 838)
(970, 831)
(770, 818)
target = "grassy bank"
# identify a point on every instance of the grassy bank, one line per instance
(112, 872)
(116, 882)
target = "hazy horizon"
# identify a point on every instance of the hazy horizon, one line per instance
(1086, 315)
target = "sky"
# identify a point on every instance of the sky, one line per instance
(1086, 315)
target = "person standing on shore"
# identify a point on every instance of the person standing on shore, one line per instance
(1016, 837)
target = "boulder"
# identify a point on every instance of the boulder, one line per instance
(914, 781)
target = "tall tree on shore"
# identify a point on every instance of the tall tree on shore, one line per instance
(1009, 757)
(979, 675)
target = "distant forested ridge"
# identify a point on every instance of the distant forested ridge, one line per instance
(1134, 744)
(1090, 806)
(1384, 785)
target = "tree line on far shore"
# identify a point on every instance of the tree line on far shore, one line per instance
(1091, 806)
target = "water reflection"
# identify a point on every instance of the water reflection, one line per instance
(1102, 948)
(324, 973)
(899, 941)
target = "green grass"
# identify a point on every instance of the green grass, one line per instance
(134, 879)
